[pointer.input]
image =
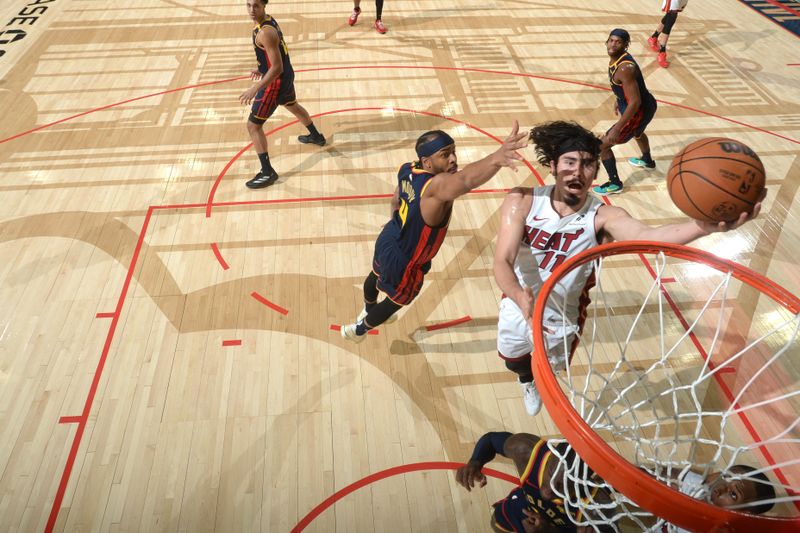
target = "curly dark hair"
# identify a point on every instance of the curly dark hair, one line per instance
(555, 138)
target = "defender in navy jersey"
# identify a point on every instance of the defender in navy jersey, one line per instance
(274, 86)
(542, 227)
(534, 506)
(635, 106)
(421, 208)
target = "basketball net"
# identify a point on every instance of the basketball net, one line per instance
(671, 383)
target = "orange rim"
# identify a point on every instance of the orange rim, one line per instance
(647, 492)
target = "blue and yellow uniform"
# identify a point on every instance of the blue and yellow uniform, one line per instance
(508, 515)
(647, 109)
(406, 245)
(280, 91)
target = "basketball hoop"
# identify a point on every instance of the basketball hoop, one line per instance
(676, 381)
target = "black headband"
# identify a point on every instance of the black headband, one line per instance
(434, 145)
(622, 34)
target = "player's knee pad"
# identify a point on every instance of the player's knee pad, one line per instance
(668, 21)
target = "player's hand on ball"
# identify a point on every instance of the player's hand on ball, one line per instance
(470, 474)
(716, 227)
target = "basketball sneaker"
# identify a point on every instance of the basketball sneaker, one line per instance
(261, 180)
(349, 332)
(379, 27)
(531, 397)
(354, 16)
(363, 314)
(653, 42)
(319, 140)
(637, 162)
(608, 188)
(662, 59)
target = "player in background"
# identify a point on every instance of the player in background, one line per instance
(274, 86)
(658, 41)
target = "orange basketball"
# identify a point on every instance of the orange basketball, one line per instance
(715, 179)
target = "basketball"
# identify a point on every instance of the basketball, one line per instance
(716, 179)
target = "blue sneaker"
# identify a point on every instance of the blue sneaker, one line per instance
(636, 162)
(608, 188)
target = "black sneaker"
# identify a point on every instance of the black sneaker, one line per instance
(260, 180)
(319, 140)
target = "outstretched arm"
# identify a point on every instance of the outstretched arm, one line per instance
(618, 225)
(447, 187)
(516, 447)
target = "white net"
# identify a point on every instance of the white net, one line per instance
(685, 372)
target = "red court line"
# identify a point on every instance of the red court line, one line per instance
(668, 280)
(73, 452)
(394, 67)
(452, 323)
(783, 6)
(109, 106)
(269, 304)
(104, 315)
(215, 249)
(70, 420)
(215, 186)
(337, 327)
(233, 342)
(390, 472)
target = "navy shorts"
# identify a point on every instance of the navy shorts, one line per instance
(637, 124)
(400, 280)
(279, 92)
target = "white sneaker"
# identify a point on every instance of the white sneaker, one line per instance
(349, 332)
(533, 401)
(363, 314)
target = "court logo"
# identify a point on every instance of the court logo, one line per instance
(27, 16)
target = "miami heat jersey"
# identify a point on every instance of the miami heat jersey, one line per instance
(418, 241)
(547, 241)
(508, 512)
(648, 101)
(261, 54)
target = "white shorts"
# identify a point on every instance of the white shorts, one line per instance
(515, 338)
(673, 5)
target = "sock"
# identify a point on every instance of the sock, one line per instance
(610, 165)
(655, 34)
(266, 168)
(378, 9)
(361, 328)
(312, 129)
(646, 158)
(663, 49)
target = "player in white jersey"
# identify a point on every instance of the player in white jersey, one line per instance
(658, 41)
(541, 227)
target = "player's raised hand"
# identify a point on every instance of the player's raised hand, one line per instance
(470, 474)
(507, 155)
(715, 227)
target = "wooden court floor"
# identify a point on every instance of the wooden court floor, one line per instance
(168, 353)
